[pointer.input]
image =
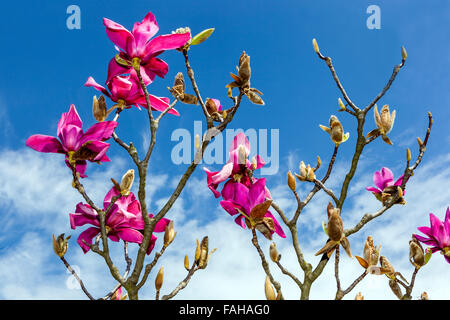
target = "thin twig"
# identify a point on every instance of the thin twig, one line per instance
(182, 284)
(77, 278)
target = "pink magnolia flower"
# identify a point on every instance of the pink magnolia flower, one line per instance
(123, 221)
(237, 168)
(384, 178)
(78, 146)
(137, 45)
(126, 91)
(243, 199)
(438, 235)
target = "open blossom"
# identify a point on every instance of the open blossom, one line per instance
(137, 46)
(246, 202)
(126, 91)
(385, 185)
(123, 221)
(237, 168)
(437, 235)
(78, 146)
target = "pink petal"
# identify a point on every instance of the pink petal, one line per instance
(152, 244)
(165, 42)
(129, 234)
(99, 148)
(144, 30)
(223, 174)
(238, 193)
(70, 137)
(155, 67)
(100, 131)
(43, 143)
(257, 192)
(69, 118)
(212, 186)
(120, 36)
(372, 189)
(240, 221)
(259, 162)
(240, 139)
(87, 236)
(161, 225)
(114, 69)
(120, 87)
(92, 83)
(278, 230)
(229, 207)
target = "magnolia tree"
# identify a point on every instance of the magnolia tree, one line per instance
(123, 217)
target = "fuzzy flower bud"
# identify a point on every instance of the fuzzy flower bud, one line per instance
(274, 255)
(291, 181)
(60, 245)
(169, 234)
(127, 182)
(159, 279)
(186, 262)
(315, 45)
(99, 108)
(268, 289)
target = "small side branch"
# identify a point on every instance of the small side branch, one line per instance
(77, 278)
(182, 284)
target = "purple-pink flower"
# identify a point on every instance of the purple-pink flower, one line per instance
(437, 235)
(126, 91)
(78, 146)
(138, 46)
(241, 201)
(237, 168)
(382, 179)
(123, 221)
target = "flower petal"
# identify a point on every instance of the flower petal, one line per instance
(87, 236)
(165, 42)
(120, 36)
(161, 225)
(223, 174)
(43, 143)
(114, 69)
(69, 118)
(129, 234)
(100, 131)
(144, 30)
(92, 83)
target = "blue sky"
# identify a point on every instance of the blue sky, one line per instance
(45, 65)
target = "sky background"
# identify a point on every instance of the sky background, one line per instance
(45, 66)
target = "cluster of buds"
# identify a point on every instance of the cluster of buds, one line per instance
(269, 290)
(60, 245)
(307, 173)
(384, 123)
(336, 131)
(202, 256)
(125, 184)
(389, 193)
(242, 81)
(417, 256)
(334, 231)
(178, 90)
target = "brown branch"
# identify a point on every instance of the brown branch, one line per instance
(182, 284)
(149, 267)
(288, 273)
(77, 278)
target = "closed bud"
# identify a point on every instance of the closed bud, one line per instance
(169, 234)
(211, 106)
(202, 36)
(319, 162)
(60, 245)
(302, 170)
(99, 108)
(186, 262)
(395, 288)
(359, 296)
(341, 104)
(268, 289)
(244, 70)
(127, 182)
(404, 54)
(291, 181)
(159, 279)
(254, 97)
(203, 259)
(242, 155)
(310, 174)
(315, 45)
(254, 163)
(419, 141)
(408, 154)
(197, 252)
(197, 141)
(274, 255)
(424, 296)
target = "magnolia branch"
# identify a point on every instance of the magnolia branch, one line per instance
(182, 284)
(149, 267)
(77, 278)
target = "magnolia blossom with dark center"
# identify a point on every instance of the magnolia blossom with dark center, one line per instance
(123, 221)
(127, 91)
(136, 45)
(437, 235)
(384, 182)
(78, 146)
(243, 199)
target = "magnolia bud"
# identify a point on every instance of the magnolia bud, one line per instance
(268, 289)
(186, 263)
(424, 296)
(159, 279)
(359, 296)
(395, 288)
(319, 162)
(99, 108)
(341, 104)
(408, 154)
(197, 141)
(254, 163)
(203, 259)
(291, 181)
(302, 170)
(211, 106)
(202, 36)
(60, 245)
(274, 255)
(315, 45)
(404, 54)
(169, 234)
(127, 182)
(310, 174)
(419, 141)
(197, 252)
